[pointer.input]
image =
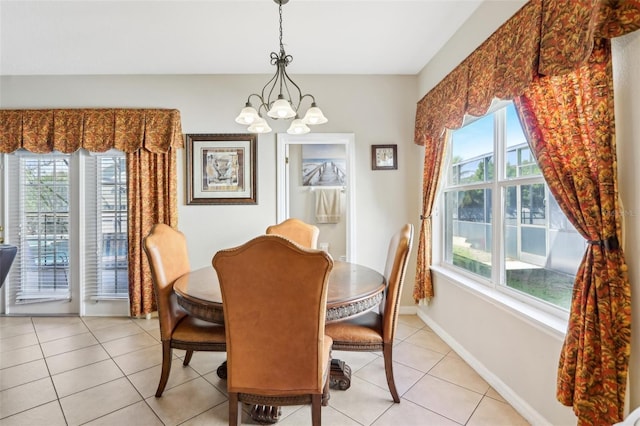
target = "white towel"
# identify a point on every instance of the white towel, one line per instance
(328, 205)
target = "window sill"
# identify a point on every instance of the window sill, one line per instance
(539, 318)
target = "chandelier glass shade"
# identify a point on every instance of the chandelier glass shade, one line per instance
(280, 98)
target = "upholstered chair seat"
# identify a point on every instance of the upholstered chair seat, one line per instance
(363, 332)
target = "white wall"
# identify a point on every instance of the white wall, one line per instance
(377, 109)
(518, 356)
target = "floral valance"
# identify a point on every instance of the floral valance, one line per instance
(545, 37)
(96, 130)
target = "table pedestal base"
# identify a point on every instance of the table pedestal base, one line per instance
(340, 375)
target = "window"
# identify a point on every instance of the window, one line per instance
(68, 217)
(501, 224)
(108, 222)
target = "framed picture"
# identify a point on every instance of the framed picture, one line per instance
(384, 157)
(324, 165)
(221, 168)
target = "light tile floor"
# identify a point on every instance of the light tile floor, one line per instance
(104, 371)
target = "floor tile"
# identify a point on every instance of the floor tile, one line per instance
(69, 360)
(17, 342)
(116, 331)
(133, 362)
(146, 381)
(129, 344)
(444, 398)
(406, 413)
(23, 373)
(412, 320)
(491, 412)
(47, 334)
(404, 376)
(10, 330)
(24, 397)
(68, 344)
(416, 357)
(429, 340)
(86, 377)
(363, 401)
(456, 371)
(185, 401)
(20, 356)
(138, 414)
(49, 414)
(98, 401)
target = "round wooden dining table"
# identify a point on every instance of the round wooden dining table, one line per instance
(353, 290)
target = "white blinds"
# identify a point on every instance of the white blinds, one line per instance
(39, 225)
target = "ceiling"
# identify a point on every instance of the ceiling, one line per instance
(85, 37)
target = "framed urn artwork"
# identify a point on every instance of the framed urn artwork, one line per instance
(221, 168)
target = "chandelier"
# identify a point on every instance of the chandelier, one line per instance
(280, 98)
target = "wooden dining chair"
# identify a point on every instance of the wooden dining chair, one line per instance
(375, 331)
(274, 295)
(297, 231)
(166, 250)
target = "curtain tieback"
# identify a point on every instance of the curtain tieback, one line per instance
(423, 217)
(610, 243)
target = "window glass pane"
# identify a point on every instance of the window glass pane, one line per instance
(472, 152)
(520, 159)
(45, 230)
(541, 256)
(533, 202)
(468, 230)
(112, 189)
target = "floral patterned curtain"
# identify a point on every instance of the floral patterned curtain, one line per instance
(149, 137)
(563, 115)
(432, 169)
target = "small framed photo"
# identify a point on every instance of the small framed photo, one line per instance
(384, 157)
(221, 168)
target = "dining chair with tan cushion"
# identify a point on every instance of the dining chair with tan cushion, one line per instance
(166, 250)
(274, 294)
(297, 231)
(376, 330)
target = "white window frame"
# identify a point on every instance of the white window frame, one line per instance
(81, 200)
(493, 290)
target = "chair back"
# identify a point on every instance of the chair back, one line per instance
(394, 272)
(297, 231)
(274, 295)
(166, 250)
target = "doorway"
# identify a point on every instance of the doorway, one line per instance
(312, 169)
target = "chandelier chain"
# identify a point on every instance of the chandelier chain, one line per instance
(280, 13)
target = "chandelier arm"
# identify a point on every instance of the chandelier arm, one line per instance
(287, 78)
(266, 100)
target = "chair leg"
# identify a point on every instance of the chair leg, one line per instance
(187, 357)
(316, 409)
(388, 369)
(167, 353)
(235, 409)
